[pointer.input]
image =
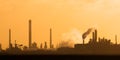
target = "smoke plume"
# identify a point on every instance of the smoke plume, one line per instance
(68, 43)
(73, 37)
(87, 33)
(70, 38)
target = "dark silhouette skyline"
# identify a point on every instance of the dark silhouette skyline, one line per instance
(94, 46)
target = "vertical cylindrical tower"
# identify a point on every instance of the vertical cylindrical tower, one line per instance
(30, 33)
(95, 35)
(115, 39)
(50, 38)
(9, 38)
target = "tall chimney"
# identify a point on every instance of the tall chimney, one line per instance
(15, 44)
(50, 38)
(83, 41)
(9, 38)
(95, 35)
(30, 33)
(116, 39)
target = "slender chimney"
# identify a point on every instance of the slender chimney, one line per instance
(45, 46)
(95, 35)
(116, 39)
(30, 33)
(83, 41)
(50, 38)
(9, 38)
(0, 47)
(15, 44)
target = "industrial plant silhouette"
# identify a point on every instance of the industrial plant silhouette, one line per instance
(96, 46)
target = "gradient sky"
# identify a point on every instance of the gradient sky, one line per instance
(63, 16)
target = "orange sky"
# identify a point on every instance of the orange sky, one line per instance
(62, 15)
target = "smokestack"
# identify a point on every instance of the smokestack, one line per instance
(0, 47)
(45, 46)
(95, 35)
(116, 39)
(30, 33)
(15, 44)
(50, 38)
(83, 42)
(9, 38)
(86, 34)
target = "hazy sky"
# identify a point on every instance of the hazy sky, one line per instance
(63, 16)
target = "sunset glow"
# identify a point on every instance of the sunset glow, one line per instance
(63, 16)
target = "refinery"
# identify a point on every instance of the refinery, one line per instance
(95, 46)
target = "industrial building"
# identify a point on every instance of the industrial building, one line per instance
(96, 45)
